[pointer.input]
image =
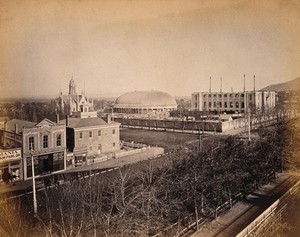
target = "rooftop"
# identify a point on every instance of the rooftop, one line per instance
(139, 99)
(11, 125)
(84, 122)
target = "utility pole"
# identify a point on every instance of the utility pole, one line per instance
(33, 184)
(249, 128)
(200, 141)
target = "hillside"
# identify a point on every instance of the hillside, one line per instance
(289, 85)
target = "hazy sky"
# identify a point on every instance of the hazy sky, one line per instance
(115, 46)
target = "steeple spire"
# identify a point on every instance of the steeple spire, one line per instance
(72, 87)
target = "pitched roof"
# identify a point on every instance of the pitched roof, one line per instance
(83, 122)
(45, 122)
(10, 125)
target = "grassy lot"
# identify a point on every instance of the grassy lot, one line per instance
(156, 138)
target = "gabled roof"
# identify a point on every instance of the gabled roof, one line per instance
(83, 99)
(45, 122)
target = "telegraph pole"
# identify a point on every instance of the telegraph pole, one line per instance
(200, 141)
(249, 128)
(33, 184)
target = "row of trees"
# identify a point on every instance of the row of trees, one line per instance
(31, 111)
(144, 202)
(38, 110)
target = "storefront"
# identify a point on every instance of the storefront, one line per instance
(10, 165)
(46, 163)
(70, 160)
(80, 155)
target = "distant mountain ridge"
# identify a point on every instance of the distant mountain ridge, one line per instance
(285, 86)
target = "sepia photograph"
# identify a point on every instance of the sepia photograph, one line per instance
(149, 118)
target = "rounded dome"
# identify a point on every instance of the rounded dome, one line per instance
(146, 99)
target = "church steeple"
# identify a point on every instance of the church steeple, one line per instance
(72, 87)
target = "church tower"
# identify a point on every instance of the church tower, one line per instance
(72, 87)
(75, 105)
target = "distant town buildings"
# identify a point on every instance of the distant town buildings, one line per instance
(145, 103)
(239, 102)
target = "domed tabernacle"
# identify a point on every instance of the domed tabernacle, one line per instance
(141, 102)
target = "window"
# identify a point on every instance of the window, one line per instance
(225, 95)
(99, 148)
(114, 144)
(215, 104)
(91, 147)
(225, 104)
(99, 133)
(113, 131)
(236, 104)
(209, 104)
(31, 143)
(243, 105)
(196, 105)
(231, 104)
(220, 104)
(58, 140)
(204, 104)
(90, 134)
(85, 109)
(250, 97)
(80, 135)
(45, 141)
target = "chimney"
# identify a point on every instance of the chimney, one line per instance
(67, 120)
(16, 128)
(108, 118)
(57, 118)
(209, 84)
(254, 83)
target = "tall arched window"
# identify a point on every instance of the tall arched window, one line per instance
(45, 141)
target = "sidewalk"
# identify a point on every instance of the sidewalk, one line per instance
(150, 153)
(11, 187)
